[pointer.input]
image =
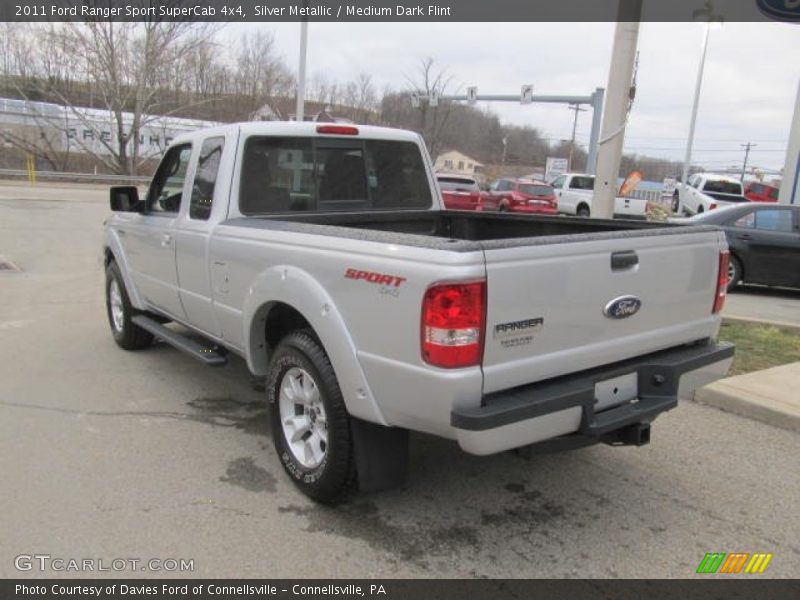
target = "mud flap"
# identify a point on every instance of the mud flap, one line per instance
(381, 455)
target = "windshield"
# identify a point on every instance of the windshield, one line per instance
(533, 189)
(456, 184)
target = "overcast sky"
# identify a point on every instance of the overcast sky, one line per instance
(751, 78)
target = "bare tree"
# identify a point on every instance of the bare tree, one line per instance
(261, 73)
(431, 80)
(128, 69)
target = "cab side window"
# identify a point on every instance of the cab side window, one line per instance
(205, 179)
(166, 190)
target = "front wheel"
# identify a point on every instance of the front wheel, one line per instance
(310, 424)
(127, 334)
(676, 203)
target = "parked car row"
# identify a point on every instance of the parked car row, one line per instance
(570, 193)
(461, 192)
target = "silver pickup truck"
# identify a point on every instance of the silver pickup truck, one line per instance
(322, 255)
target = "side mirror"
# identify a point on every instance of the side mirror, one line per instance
(125, 198)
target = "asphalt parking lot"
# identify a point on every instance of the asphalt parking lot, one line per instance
(108, 454)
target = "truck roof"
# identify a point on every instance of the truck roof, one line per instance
(305, 129)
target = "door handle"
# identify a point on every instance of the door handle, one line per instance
(121, 232)
(745, 236)
(166, 240)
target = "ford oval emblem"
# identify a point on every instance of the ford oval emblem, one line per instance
(780, 10)
(622, 307)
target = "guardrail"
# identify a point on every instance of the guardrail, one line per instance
(63, 176)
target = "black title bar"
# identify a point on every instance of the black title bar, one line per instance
(399, 10)
(394, 589)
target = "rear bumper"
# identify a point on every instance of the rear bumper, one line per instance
(565, 405)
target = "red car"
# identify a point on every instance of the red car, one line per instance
(460, 192)
(522, 196)
(760, 192)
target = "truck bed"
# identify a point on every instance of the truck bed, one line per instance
(463, 231)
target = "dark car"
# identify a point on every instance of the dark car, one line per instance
(459, 192)
(522, 196)
(764, 241)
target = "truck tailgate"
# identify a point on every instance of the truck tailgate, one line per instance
(549, 305)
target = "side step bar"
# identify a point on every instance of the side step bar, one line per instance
(204, 354)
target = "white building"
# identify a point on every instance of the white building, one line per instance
(453, 161)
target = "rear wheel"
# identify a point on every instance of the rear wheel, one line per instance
(676, 202)
(310, 424)
(583, 211)
(127, 334)
(734, 272)
(700, 209)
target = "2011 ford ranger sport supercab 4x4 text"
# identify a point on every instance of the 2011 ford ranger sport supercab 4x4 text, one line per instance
(322, 255)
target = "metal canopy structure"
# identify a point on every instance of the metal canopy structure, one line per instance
(595, 100)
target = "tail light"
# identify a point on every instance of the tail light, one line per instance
(722, 282)
(453, 324)
(712, 206)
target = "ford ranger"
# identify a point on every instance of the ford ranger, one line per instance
(322, 255)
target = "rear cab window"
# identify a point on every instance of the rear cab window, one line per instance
(303, 174)
(580, 182)
(535, 189)
(457, 184)
(723, 187)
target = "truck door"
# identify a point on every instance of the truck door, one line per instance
(206, 207)
(150, 241)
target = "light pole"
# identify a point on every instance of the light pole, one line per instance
(712, 20)
(301, 72)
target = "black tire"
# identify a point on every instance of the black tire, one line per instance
(676, 202)
(583, 211)
(330, 480)
(735, 267)
(502, 208)
(128, 335)
(700, 209)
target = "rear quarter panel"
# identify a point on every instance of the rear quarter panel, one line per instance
(370, 330)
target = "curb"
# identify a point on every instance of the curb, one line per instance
(735, 395)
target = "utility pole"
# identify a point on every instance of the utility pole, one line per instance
(615, 116)
(746, 147)
(577, 108)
